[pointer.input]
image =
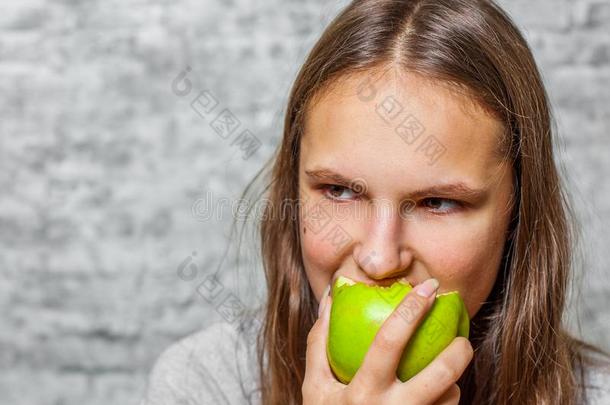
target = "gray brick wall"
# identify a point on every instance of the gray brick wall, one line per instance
(103, 166)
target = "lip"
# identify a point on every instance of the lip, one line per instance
(382, 283)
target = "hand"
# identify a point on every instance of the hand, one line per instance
(376, 380)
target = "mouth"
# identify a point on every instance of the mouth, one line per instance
(382, 283)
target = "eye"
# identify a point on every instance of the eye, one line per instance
(437, 204)
(337, 192)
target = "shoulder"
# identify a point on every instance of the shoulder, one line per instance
(597, 382)
(216, 365)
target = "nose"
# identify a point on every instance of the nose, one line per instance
(381, 253)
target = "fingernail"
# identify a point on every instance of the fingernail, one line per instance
(323, 300)
(427, 288)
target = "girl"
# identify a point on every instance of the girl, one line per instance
(418, 144)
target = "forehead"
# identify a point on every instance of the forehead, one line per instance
(397, 121)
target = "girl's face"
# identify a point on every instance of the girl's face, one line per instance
(400, 177)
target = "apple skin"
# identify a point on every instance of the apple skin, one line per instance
(358, 310)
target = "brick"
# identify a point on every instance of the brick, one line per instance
(532, 15)
(592, 14)
(101, 164)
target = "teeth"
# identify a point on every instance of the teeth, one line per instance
(344, 280)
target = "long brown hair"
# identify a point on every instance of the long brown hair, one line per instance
(523, 353)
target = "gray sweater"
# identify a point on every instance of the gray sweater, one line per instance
(217, 366)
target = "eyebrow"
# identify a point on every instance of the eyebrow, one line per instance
(460, 189)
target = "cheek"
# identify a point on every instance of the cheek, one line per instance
(320, 257)
(468, 262)
(317, 252)
(326, 235)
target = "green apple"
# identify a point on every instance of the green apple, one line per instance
(358, 310)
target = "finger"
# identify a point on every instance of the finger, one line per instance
(381, 360)
(437, 377)
(316, 361)
(450, 397)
